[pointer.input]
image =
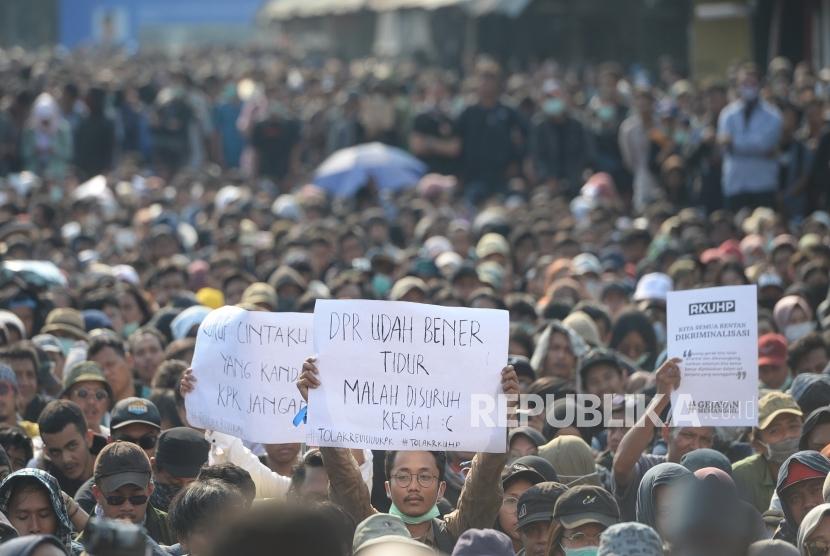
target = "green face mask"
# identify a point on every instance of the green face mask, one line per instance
(415, 519)
(129, 328)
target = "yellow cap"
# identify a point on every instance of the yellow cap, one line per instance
(210, 297)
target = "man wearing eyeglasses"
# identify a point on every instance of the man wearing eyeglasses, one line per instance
(123, 486)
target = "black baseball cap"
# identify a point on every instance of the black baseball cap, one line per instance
(135, 410)
(516, 471)
(585, 504)
(537, 502)
(600, 356)
(541, 465)
(182, 452)
(121, 463)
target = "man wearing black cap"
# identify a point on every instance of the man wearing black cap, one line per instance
(133, 420)
(535, 513)
(515, 480)
(123, 487)
(180, 453)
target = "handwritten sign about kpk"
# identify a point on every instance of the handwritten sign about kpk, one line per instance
(715, 332)
(246, 365)
(405, 376)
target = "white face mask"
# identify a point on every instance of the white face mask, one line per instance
(797, 331)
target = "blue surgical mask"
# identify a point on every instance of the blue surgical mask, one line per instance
(606, 113)
(66, 345)
(553, 106)
(381, 285)
(129, 328)
(584, 551)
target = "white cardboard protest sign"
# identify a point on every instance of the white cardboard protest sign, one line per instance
(407, 376)
(715, 332)
(246, 365)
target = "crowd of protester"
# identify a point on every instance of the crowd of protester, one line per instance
(138, 193)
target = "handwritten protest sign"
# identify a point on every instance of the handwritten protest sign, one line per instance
(246, 365)
(406, 376)
(715, 332)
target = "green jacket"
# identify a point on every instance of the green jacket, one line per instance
(755, 483)
(158, 527)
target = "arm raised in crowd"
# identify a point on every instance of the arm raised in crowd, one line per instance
(482, 494)
(345, 481)
(637, 439)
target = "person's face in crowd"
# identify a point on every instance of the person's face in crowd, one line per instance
(27, 316)
(522, 446)
(93, 400)
(349, 291)
(523, 253)
(115, 316)
(148, 354)
(560, 360)
(819, 437)
(731, 277)
(461, 242)
(489, 86)
(234, 290)
(534, 537)
(351, 249)
(69, 451)
(784, 427)
(508, 520)
(781, 262)
(31, 512)
(24, 370)
(126, 503)
(168, 286)
(464, 286)
(8, 402)
(615, 434)
(644, 104)
(683, 440)
(633, 346)
(813, 362)
(140, 434)
(321, 255)
(802, 497)
(162, 477)
(819, 540)
(117, 370)
(604, 379)
(615, 301)
(583, 536)
(283, 454)
(130, 310)
(413, 484)
(773, 376)
(378, 233)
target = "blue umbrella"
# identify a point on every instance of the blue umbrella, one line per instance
(347, 170)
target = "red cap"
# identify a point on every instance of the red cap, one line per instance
(772, 350)
(798, 472)
(731, 250)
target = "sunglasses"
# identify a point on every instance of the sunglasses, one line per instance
(118, 500)
(83, 393)
(146, 442)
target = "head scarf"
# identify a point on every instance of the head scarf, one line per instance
(572, 459)
(784, 310)
(771, 548)
(630, 539)
(706, 457)
(64, 530)
(659, 475)
(811, 459)
(820, 416)
(809, 524)
(26, 546)
(578, 347)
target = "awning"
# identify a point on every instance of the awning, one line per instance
(290, 9)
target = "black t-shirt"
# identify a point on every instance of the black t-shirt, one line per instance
(274, 140)
(436, 124)
(492, 140)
